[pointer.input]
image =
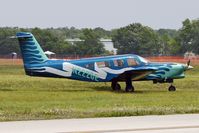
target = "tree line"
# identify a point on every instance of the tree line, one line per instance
(134, 38)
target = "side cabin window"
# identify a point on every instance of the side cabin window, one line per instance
(132, 62)
(118, 63)
(90, 66)
(103, 64)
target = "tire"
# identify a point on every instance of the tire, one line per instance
(172, 88)
(116, 86)
(130, 89)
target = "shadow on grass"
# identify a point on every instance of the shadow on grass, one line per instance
(65, 90)
(109, 89)
(102, 89)
(7, 90)
(87, 89)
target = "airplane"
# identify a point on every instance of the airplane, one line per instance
(118, 68)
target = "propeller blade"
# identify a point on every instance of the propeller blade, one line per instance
(188, 62)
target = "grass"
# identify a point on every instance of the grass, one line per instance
(27, 98)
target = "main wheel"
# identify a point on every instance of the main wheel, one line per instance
(115, 86)
(172, 88)
(129, 89)
(129, 85)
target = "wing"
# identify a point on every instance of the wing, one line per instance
(137, 73)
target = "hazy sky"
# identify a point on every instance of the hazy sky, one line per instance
(107, 14)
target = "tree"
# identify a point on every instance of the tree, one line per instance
(168, 41)
(136, 39)
(188, 36)
(170, 46)
(169, 32)
(102, 33)
(90, 45)
(8, 44)
(48, 40)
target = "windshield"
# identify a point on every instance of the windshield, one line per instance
(143, 60)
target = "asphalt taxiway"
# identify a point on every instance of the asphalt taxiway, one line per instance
(188, 123)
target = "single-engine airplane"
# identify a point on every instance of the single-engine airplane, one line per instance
(126, 68)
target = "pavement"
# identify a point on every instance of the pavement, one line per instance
(188, 123)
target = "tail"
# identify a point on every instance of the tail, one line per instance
(31, 51)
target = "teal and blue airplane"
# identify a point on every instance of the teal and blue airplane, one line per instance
(114, 69)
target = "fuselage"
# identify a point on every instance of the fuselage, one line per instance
(105, 69)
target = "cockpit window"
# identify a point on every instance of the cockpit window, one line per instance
(143, 60)
(118, 63)
(132, 62)
(103, 64)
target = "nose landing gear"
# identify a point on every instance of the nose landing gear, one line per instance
(172, 88)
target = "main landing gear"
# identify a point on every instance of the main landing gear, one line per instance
(129, 87)
(115, 86)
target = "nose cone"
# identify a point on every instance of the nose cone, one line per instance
(189, 67)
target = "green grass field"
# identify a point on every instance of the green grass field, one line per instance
(26, 98)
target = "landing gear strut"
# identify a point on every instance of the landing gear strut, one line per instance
(129, 86)
(172, 88)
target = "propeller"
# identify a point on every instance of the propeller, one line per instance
(188, 62)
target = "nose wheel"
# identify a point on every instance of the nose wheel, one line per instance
(172, 88)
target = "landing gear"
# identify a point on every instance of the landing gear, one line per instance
(129, 89)
(129, 86)
(172, 88)
(115, 86)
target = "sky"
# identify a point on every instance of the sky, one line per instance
(108, 14)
